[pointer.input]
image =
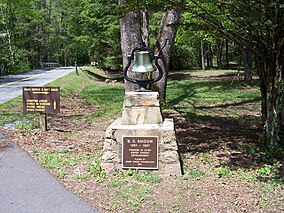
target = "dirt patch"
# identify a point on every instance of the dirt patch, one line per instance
(214, 152)
(3, 146)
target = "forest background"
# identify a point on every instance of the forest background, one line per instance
(207, 34)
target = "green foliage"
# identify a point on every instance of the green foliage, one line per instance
(108, 98)
(58, 31)
(256, 27)
(194, 174)
(26, 125)
(151, 5)
(192, 171)
(96, 170)
(192, 97)
(133, 187)
(146, 176)
(59, 162)
(94, 32)
(247, 149)
(266, 170)
(17, 20)
(11, 112)
(54, 161)
(206, 159)
(224, 171)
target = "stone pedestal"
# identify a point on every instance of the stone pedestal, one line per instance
(141, 108)
(141, 117)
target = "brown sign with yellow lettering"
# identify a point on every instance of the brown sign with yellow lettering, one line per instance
(140, 152)
(41, 99)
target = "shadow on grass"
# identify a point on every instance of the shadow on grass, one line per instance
(196, 91)
(103, 75)
(179, 76)
(204, 74)
(214, 117)
(198, 134)
(230, 105)
(236, 143)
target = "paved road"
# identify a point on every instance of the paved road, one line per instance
(11, 86)
(25, 187)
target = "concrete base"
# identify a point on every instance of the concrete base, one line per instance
(168, 157)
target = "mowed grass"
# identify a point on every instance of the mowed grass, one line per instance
(12, 111)
(107, 98)
(189, 97)
(197, 96)
(200, 97)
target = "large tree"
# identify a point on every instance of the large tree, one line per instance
(130, 35)
(167, 33)
(134, 28)
(257, 26)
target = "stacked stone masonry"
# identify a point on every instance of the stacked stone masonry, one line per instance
(168, 157)
(141, 108)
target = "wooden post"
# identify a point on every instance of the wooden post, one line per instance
(43, 122)
(76, 68)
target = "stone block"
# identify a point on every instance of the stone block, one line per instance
(138, 99)
(171, 170)
(141, 108)
(165, 147)
(110, 133)
(168, 137)
(168, 158)
(141, 115)
(109, 156)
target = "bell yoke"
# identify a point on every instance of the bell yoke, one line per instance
(143, 56)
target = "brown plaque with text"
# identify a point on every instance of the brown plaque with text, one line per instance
(41, 99)
(140, 152)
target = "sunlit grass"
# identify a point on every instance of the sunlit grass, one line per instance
(194, 99)
(106, 98)
(11, 111)
(202, 97)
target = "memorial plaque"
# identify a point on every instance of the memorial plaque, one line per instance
(41, 99)
(140, 152)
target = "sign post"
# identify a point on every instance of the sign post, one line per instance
(43, 122)
(45, 100)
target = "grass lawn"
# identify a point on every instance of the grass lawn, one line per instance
(217, 121)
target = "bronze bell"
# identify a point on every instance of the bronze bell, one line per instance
(143, 62)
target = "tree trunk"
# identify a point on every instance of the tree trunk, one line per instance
(272, 100)
(10, 47)
(145, 27)
(227, 54)
(131, 36)
(248, 66)
(202, 55)
(219, 48)
(209, 57)
(167, 31)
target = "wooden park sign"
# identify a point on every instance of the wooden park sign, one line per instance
(140, 152)
(45, 100)
(41, 99)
